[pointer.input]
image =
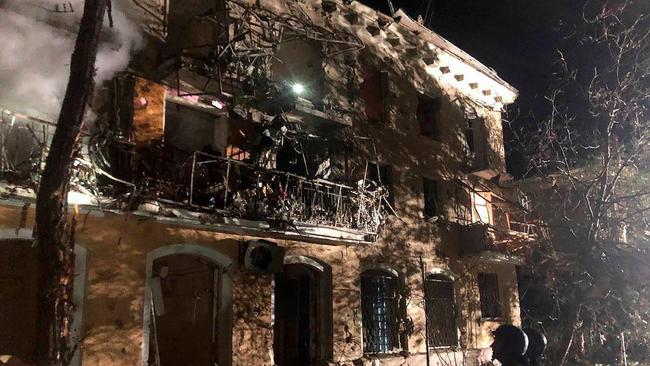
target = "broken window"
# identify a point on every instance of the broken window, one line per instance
(428, 115)
(480, 207)
(23, 144)
(381, 174)
(379, 311)
(441, 313)
(190, 130)
(374, 91)
(469, 134)
(431, 204)
(475, 140)
(488, 285)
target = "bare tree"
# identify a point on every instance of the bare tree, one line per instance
(587, 285)
(54, 237)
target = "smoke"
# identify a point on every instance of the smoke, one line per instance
(36, 46)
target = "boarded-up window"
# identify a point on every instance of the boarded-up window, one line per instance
(431, 204)
(428, 115)
(374, 91)
(441, 314)
(488, 285)
(379, 311)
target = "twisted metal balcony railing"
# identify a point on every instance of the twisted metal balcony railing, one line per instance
(233, 188)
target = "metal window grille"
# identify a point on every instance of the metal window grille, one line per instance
(488, 285)
(441, 314)
(379, 310)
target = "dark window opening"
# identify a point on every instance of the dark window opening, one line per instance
(374, 91)
(190, 130)
(441, 314)
(488, 285)
(431, 205)
(379, 311)
(469, 134)
(381, 174)
(428, 115)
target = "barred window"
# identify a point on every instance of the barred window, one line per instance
(488, 286)
(379, 311)
(441, 314)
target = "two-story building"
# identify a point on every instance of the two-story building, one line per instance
(278, 183)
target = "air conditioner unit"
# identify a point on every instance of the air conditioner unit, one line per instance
(262, 256)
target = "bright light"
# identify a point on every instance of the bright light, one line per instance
(298, 88)
(217, 104)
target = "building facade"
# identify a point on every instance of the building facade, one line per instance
(279, 183)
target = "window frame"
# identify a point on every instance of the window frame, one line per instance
(476, 215)
(484, 298)
(385, 175)
(392, 309)
(437, 209)
(427, 114)
(453, 329)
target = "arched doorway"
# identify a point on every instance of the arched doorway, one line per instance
(303, 313)
(187, 307)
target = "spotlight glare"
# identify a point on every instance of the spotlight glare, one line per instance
(298, 88)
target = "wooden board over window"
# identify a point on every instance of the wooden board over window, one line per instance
(148, 112)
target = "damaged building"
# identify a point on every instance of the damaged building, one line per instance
(278, 183)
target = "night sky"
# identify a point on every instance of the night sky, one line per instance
(517, 38)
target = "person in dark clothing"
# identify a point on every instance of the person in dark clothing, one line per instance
(509, 345)
(536, 346)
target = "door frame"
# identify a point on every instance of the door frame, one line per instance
(223, 308)
(325, 332)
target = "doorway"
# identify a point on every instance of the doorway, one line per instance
(184, 297)
(303, 315)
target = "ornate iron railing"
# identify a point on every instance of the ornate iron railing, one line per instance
(236, 188)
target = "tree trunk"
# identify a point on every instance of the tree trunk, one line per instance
(55, 242)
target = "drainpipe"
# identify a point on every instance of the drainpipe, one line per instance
(426, 315)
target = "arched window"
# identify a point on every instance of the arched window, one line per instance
(379, 311)
(440, 309)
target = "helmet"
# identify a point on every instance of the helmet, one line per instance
(510, 343)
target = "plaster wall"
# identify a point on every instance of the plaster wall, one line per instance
(118, 245)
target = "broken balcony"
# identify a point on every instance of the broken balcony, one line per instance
(508, 237)
(228, 191)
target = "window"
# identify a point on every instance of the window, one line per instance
(469, 134)
(488, 286)
(379, 311)
(428, 113)
(381, 175)
(189, 129)
(480, 208)
(441, 314)
(374, 91)
(431, 205)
